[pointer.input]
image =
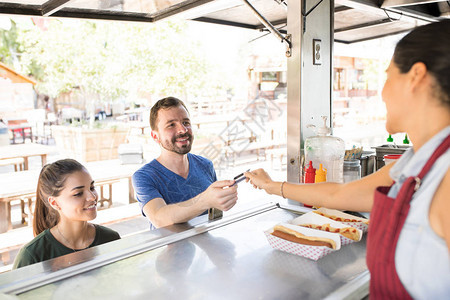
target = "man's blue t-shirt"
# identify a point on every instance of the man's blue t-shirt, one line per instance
(154, 180)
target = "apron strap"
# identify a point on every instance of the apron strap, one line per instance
(437, 153)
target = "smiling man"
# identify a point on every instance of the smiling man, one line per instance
(178, 186)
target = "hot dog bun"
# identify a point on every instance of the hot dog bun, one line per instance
(348, 232)
(296, 237)
(341, 219)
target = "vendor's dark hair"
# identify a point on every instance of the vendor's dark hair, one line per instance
(429, 44)
(51, 182)
(164, 103)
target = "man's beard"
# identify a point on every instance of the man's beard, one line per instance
(171, 146)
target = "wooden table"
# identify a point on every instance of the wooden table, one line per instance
(22, 186)
(26, 150)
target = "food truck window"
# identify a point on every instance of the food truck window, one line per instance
(359, 114)
(106, 74)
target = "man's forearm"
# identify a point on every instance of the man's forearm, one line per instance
(219, 194)
(178, 212)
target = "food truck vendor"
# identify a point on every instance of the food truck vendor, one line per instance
(409, 234)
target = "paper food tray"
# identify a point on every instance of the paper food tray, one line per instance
(313, 218)
(363, 225)
(311, 252)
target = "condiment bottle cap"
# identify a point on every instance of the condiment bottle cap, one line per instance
(406, 140)
(310, 168)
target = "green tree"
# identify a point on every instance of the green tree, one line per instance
(113, 59)
(9, 47)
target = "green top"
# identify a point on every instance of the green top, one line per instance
(406, 140)
(45, 246)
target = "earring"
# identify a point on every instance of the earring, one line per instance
(55, 205)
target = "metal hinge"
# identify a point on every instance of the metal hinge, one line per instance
(284, 38)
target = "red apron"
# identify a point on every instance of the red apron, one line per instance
(386, 221)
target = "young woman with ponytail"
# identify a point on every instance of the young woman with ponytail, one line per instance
(66, 200)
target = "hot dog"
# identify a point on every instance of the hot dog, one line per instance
(341, 219)
(348, 232)
(296, 237)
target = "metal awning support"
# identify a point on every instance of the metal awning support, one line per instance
(373, 6)
(398, 3)
(364, 25)
(52, 6)
(286, 39)
(306, 13)
(283, 2)
(309, 77)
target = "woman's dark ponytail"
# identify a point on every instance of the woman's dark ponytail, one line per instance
(51, 183)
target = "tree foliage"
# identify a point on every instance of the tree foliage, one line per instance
(9, 47)
(111, 59)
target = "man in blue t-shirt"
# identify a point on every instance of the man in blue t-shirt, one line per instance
(178, 186)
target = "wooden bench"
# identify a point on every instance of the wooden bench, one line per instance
(18, 163)
(24, 151)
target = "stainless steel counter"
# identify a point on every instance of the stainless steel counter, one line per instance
(225, 259)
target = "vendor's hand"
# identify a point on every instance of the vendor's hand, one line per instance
(220, 195)
(259, 179)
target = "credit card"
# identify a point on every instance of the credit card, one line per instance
(239, 178)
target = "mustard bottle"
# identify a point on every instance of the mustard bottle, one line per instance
(321, 174)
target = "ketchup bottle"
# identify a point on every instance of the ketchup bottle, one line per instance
(310, 174)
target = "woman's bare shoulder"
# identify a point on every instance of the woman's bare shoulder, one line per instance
(440, 208)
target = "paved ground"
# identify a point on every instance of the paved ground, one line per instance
(123, 217)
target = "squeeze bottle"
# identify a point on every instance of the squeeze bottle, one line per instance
(326, 150)
(321, 174)
(310, 174)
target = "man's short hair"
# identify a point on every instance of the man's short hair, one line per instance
(164, 103)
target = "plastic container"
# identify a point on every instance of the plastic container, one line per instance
(328, 151)
(352, 170)
(389, 158)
